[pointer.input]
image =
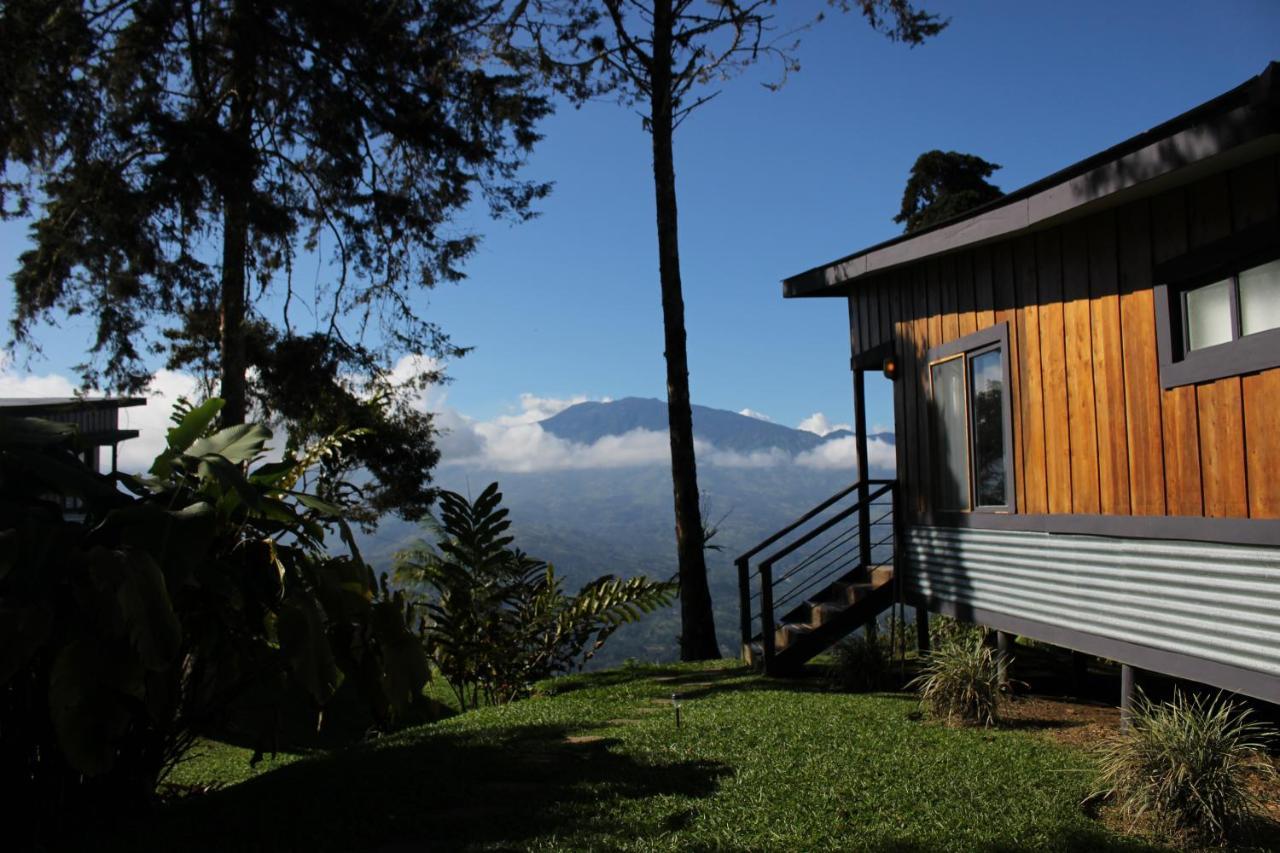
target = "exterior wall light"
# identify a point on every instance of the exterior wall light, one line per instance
(890, 368)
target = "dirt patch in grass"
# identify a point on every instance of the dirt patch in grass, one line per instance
(1073, 722)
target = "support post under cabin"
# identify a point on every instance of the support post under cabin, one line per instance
(1004, 656)
(922, 630)
(1126, 696)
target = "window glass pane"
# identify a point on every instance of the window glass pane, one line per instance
(1260, 298)
(1209, 315)
(986, 383)
(950, 435)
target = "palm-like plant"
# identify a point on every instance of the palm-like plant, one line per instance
(1188, 763)
(495, 619)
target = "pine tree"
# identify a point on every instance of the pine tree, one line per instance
(665, 57)
(178, 156)
(944, 184)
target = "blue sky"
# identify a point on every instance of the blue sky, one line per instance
(774, 183)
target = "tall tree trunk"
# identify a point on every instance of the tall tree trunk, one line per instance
(235, 237)
(697, 622)
(236, 192)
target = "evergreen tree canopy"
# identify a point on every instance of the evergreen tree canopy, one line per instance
(178, 156)
(944, 184)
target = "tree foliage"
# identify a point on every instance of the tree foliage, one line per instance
(942, 185)
(666, 58)
(497, 620)
(179, 157)
(204, 597)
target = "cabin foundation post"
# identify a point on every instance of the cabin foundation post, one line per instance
(922, 630)
(1004, 656)
(1079, 673)
(1126, 697)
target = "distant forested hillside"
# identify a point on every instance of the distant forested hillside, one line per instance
(589, 522)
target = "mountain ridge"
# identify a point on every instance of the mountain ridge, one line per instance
(588, 422)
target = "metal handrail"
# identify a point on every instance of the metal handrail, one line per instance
(817, 510)
(825, 526)
(860, 536)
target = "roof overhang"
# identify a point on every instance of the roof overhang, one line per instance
(1236, 127)
(33, 406)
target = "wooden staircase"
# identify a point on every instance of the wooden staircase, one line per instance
(833, 569)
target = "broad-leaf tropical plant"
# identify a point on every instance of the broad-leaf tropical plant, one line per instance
(196, 597)
(496, 620)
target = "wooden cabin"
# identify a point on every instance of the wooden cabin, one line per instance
(1087, 403)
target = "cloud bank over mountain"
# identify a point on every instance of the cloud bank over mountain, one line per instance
(537, 434)
(588, 434)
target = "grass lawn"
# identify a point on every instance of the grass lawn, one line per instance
(600, 764)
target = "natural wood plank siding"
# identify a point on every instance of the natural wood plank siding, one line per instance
(964, 294)
(983, 298)
(1093, 431)
(1053, 361)
(947, 284)
(1034, 496)
(1108, 367)
(1080, 399)
(1177, 405)
(919, 281)
(1141, 366)
(1262, 438)
(1218, 403)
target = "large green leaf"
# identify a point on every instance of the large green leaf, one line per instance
(193, 425)
(23, 630)
(237, 444)
(306, 648)
(148, 612)
(180, 437)
(88, 684)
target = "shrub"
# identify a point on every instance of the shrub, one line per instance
(860, 663)
(1186, 762)
(496, 619)
(944, 630)
(203, 594)
(960, 681)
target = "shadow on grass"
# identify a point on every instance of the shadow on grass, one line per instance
(495, 788)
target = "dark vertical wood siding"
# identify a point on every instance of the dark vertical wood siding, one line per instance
(1093, 431)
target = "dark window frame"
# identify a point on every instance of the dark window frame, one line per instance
(970, 345)
(1220, 260)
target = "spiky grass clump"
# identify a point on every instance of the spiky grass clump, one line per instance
(859, 664)
(960, 682)
(1187, 762)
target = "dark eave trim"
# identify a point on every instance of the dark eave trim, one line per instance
(1244, 121)
(63, 406)
(1259, 685)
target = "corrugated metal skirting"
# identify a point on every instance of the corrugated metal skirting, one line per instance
(1217, 602)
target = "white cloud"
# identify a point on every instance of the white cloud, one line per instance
(534, 408)
(843, 453)
(818, 423)
(152, 420)
(752, 413)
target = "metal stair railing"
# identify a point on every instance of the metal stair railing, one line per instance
(818, 551)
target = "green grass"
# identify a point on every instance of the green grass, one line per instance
(756, 765)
